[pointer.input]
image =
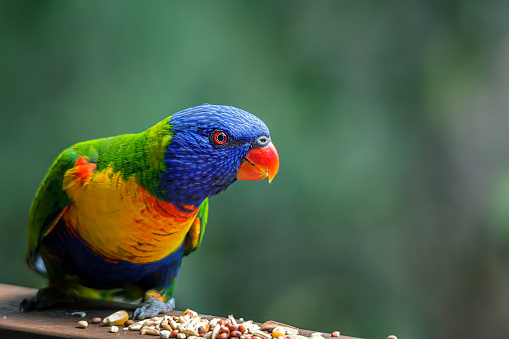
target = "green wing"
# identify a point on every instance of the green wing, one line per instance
(195, 234)
(51, 200)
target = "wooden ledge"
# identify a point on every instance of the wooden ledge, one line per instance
(58, 323)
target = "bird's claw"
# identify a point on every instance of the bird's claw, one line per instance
(152, 307)
(46, 298)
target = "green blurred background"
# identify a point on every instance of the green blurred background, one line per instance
(390, 211)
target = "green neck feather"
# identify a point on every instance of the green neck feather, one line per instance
(137, 154)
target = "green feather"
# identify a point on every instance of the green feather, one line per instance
(140, 154)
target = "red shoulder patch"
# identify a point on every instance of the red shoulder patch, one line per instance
(83, 169)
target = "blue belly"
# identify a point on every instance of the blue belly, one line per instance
(66, 254)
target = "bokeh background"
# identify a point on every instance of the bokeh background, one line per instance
(390, 211)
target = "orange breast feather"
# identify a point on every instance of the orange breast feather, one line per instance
(121, 220)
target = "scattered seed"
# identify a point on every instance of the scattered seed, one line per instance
(278, 332)
(271, 324)
(152, 331)
(235, 333)
(215, 332)
(135, 327)
(392, 336)
(190, 333)
(117, 318)
(191, 313)
(262, 334)
(191, 326)
(82, 324)
(232, 320)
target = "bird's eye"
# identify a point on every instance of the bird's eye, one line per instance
(220, 137)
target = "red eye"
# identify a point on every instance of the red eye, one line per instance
(220, 138)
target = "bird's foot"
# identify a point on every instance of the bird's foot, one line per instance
(46, 298)
(152, 307)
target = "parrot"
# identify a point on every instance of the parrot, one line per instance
(114, 217)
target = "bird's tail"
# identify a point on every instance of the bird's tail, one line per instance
(35, 262)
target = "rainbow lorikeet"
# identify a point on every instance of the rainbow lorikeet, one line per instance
(114, 216)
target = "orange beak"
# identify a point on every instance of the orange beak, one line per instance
(259, 163)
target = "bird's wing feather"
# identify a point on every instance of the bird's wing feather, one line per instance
(195, 234)
(51, 200)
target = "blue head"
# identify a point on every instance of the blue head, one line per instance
(209, 144)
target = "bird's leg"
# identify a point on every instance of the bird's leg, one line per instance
(156, 301)
(49, 296)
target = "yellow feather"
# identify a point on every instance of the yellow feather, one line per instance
(121, 220)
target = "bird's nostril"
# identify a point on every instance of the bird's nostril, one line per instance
(263, 140)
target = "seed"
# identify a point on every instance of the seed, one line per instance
(190, 333)
(270, 325)
(117, 318)
(215, 332)
(191, 313)
(278, 332)
(242, 328)
(233, 328)
(96, 320)
(235, 334)
(261, 334)
(114, 329)
(202, 330)
(221, 322)
(224, 335)
(232, 320)
(335, 334)
(82, 324)
(181, 336)
(392, 336)
(166, 326)
(174, 333)
(165, 334)
(128, 322)
(224, 329)
(151, 331)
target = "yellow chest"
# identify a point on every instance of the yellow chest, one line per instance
(121, 220)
